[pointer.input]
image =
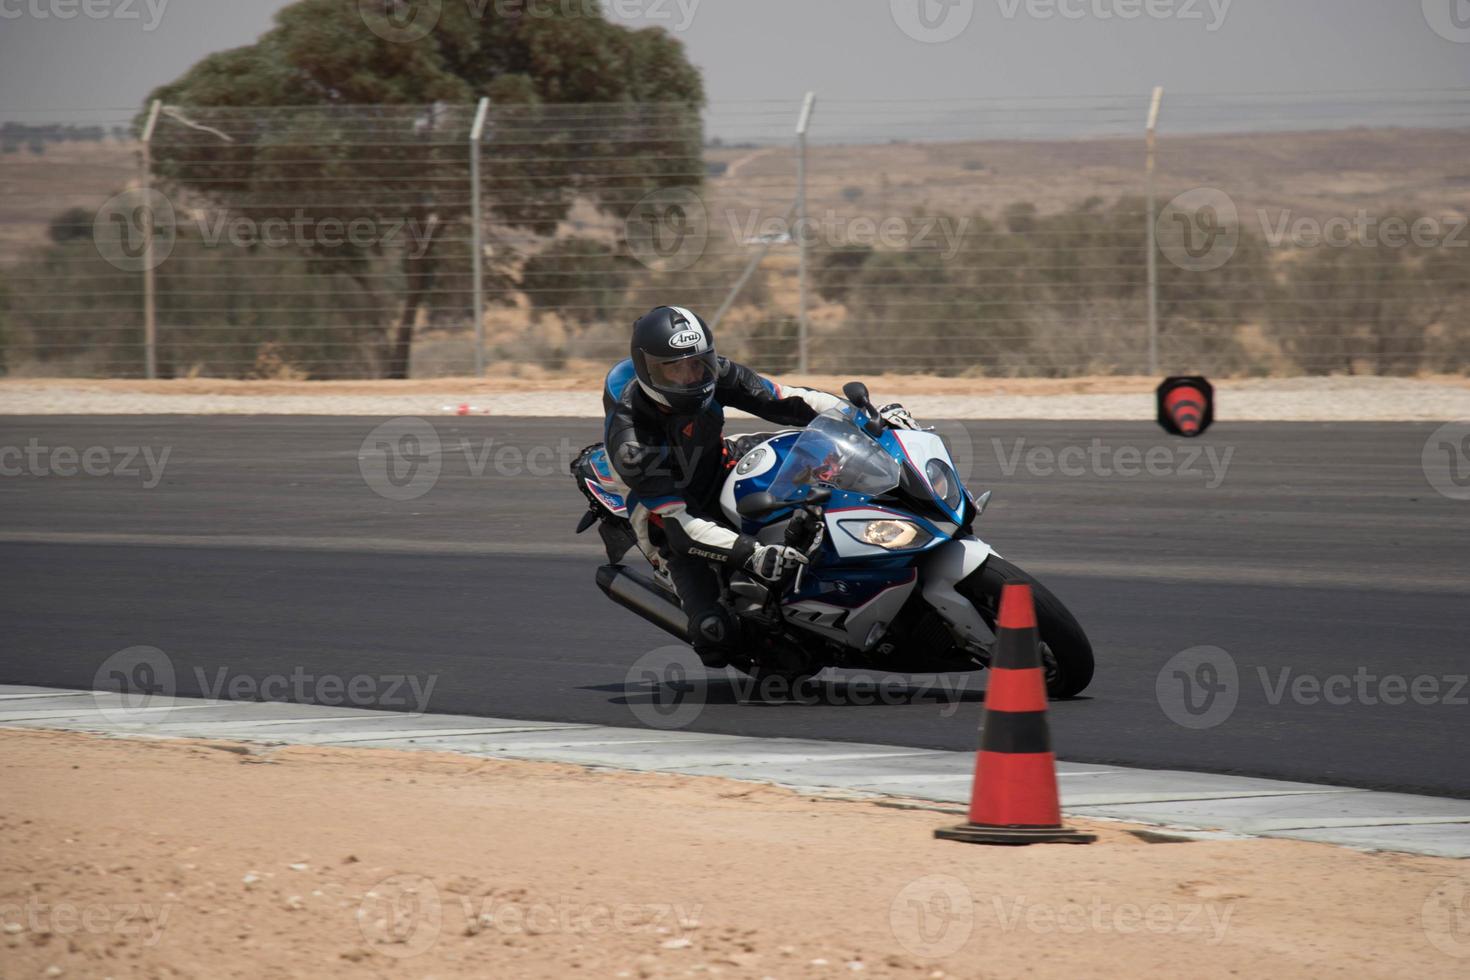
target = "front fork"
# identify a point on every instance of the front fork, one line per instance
(941, 570)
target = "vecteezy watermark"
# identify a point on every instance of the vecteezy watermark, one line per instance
(401, 916)
(38, 460)
(404, 916)
(139, 230)
(924, 233)
(1450, 19)
(938, 21)
(1200, 230)
(668, 229)
(669, 687)
(393, 691)
(403, 459)
(140, 921)
(1446, 460)
(933, 917)
(406, 21)
(1210, 13)
(1201, 687)
(134, 684)
(1198, 688)
(1209, 920)
(141, 682)
(150, 12)
(1362, 229)
(1099, 459)
(136, 231)
(1445, 917)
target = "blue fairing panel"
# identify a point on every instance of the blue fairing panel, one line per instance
(620, 377)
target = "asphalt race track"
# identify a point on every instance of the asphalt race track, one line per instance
(1317, 556)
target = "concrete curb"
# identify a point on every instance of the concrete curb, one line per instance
(1187, 801)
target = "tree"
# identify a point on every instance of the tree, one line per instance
(580, 278)
(405, 162)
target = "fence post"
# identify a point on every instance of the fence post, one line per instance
(150, 286)
(1153, 245)
(477, 235)
(801, 221)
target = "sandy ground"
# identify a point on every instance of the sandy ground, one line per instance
(1337, 399)
(185, 859)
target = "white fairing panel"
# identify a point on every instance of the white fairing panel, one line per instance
(762, 459)
(920, 447)
(945, 567)
(855, 629)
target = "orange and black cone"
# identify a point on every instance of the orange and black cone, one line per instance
(1015, 796)
(1186, 406)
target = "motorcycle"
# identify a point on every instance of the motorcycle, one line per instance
(897, 581)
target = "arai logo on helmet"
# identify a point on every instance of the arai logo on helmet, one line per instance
(689, 338)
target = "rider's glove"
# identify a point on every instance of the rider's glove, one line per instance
(772, 561)
(898, 417)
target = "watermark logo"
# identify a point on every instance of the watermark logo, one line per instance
(669, 687)
(1198, 688)
(1208, 919)
(923, 233)
(1446, 460)
(122, 226)
(89, 9)
(37, 460)
(126, 223)
(932, 21)
(409, 693)
(933, 917)
(1201, 687)
(1211, 13)
(1099, 459)
(401, 916)
(1362, 229)
(1450, 19)
(1199, 230)
(133, 684)
(401, 21)
(401, 459)
(662, 692)
(143, 922)
(1446, 918)
(668, 229)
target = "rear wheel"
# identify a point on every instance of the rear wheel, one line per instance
(1066, 653)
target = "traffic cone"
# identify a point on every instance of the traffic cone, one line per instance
(1186, 406)
(1015, 796)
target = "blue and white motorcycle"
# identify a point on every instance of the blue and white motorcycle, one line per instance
(897, 580)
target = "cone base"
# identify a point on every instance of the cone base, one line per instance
(973, 833)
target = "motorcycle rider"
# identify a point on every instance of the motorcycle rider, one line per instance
(665, 410)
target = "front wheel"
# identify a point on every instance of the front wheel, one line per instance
(1066, 654)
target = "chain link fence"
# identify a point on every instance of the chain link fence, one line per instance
(1292, 235)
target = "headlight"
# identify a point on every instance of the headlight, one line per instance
(945, 483)
(889, 535)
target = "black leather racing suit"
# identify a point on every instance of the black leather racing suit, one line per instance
(675, 467)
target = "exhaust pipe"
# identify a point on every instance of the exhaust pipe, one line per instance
(637, 594)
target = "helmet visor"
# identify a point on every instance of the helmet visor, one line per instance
(683, 374)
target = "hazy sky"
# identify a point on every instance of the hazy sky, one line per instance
(845, 49)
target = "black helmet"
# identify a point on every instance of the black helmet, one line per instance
(674, 355)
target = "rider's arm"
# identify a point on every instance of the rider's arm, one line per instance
(740, 387)
(648, 472)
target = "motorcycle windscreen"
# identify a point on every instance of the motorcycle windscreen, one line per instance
(834, 452)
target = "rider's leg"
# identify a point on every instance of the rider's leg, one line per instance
(713, 630)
